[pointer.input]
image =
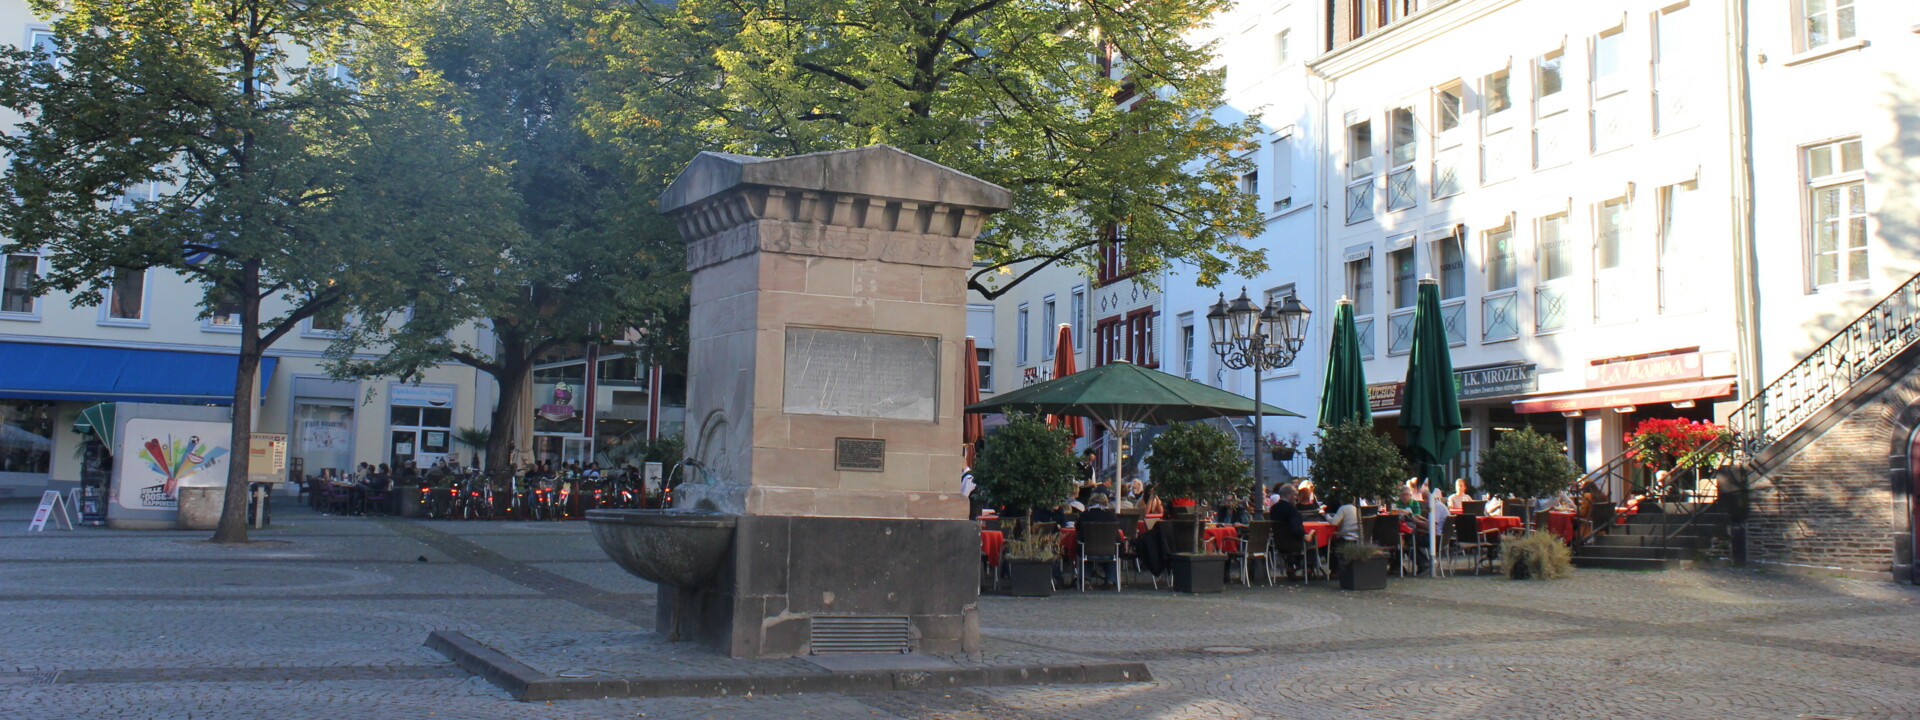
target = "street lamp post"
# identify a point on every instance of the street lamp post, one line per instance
(1245, 335)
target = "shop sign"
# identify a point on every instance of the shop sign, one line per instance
(422, 395)
(1496, 381)
(561, 408)
(161, 456)
(266, 457)
(1385, 396)
(1679, 366)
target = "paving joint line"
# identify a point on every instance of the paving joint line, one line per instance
(619, 606)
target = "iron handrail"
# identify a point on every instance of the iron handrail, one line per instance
(1828, 372)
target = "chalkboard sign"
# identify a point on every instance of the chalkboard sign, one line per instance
(859, 454)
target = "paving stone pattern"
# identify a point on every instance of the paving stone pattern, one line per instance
(327, 621)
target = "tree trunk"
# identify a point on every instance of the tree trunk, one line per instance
(512, 378)
(233, 512)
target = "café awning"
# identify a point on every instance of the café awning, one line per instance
(45, 371)
(1677, 392)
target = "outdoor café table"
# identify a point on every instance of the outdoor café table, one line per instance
(1561, 525)
(991, 541)
(1321, 532)
(1222, 539)
(1497, 523)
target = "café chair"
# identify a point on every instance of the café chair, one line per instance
(1099, 543)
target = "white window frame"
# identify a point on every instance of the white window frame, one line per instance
(1607, 94)
(1670, 261)
(1544, 286)
(1403, 121)
(1498, 137)
(1077, 307)
(1812, 185)
(209, 324)
(1550, 111)
(1021, 328)
(983, 360)
(1189, 343)
(1359, 171)
(39, 268)
(1436, 255)
(34, 33)
(1283, 47)
(1803, 41)
(307, 330)
(1050, 324)
(1614, 307)
(146, 304)
(1281, 184)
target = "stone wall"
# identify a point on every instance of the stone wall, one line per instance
(1834, 502)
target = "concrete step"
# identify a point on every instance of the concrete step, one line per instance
(1624, 540)
(1631, 551)
(1624, 563)
(1709, 518)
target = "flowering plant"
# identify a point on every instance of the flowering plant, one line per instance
(1671, 444)
(1291, 442)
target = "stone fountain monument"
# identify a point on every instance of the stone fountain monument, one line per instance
(822, 510)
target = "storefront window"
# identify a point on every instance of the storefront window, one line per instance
(323, 437)
(420, 425)
(26, 436)
(557, 403)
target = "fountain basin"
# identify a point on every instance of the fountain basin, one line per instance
(680, 548)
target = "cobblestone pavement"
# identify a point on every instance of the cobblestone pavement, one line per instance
(325, 619)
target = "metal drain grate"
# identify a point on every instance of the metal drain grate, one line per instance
(868, 635)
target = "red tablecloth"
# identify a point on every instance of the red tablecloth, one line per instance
(1069, 543)
(991, 542)
(1561, 525)
(1221, 539)
(1321, 532)
(1497, 523)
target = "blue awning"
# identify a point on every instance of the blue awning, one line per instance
(78, 372)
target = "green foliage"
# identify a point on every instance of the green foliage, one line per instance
(1198, 461)
(1359, 552)
(1034, 545)
(1351, 461)
(474, 438)
(1016, 92)
(1525, 464)
(1544, 555)
(1026, 464)
(209, 138)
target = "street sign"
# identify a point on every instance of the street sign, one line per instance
(52, 505)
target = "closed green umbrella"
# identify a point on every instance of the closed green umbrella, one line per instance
(99, 421)
(1343, 397)
(1430, 410)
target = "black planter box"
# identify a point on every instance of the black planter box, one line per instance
(1030, 578)
(1185, 535)
(1199, 573)
(1283, 454)
(1367, 575)
(410, 505)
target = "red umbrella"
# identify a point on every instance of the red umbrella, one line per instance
(1062, 367)
(971, 430)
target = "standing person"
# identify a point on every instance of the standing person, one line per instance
(1090, 474)
(1437, 513)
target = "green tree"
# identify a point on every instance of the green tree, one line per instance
(1199, 462)
(1025, 464)
(286, 192)
(1526, 464)
(587, 260)
(1100, 117)
(1351, 462)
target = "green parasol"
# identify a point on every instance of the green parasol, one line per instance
(99, 421)
(1343, 397)
(1430, 411)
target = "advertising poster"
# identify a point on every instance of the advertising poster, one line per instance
(161, 456)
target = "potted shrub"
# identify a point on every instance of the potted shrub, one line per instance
(1030, 560)
(1535, 555)
(1525, 464)
(1027, 464)
(1202, 463)
(1363, 566)
(1351, 462)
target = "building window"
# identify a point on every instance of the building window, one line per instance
(1449, 107)
(226, 312)
(1020, 335)
(1406, 281)
(983, 358)
(1837, 212)
(1139, 341)
(1673, 68)
(1283, 171)
(1113, 255)
(1405, 139)
(1283, 47)
(1049, 328)
(1609, 90)
(16, 285)
(1359, 171)
(1613, 300)
(1682, 239)
(26, 427)
(1502, 263)
(326, 322)
(1554, 262)
(1825, 21)
(126, 296)
(1360, 285)
(1499, 147)
(1186, 346)
(41, 40)
(1549, 110)
(1078, 318)
(1452, 261)
(1250, 184)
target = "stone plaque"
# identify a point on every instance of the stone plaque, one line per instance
(861, 374)
(863, 454)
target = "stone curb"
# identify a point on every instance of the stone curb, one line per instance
(526, 683)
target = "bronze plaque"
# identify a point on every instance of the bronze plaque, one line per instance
(860, 454)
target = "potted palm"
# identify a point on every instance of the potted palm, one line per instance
(1202, 463)
(1525, 464)
(1352, 462)
(1027, 464)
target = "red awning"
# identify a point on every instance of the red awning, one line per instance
(1630, 396)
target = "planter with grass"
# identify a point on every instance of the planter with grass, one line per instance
(1363, 566)
(1201, 462)
(1027, 464)
(1536, 555)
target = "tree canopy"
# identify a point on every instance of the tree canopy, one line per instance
(214, 138)
(1097, 116)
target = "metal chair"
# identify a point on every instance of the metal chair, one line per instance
(1600, 517)
(1254, 545)
(1385, 532)
(1099, 542)
(1467, 540)
(1289, 547)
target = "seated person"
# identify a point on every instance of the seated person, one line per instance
(1098, 511)
(1461, 493)
(1346, 527)
(1234, 512)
